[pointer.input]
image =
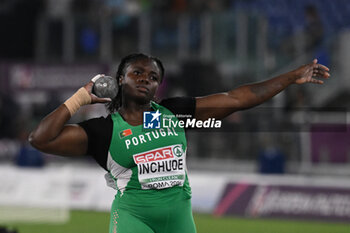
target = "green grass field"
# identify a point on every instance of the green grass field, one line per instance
(97, 222)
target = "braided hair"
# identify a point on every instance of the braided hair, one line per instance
(114, 105)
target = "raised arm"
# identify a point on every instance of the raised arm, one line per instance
(223, 104)
(54, 136)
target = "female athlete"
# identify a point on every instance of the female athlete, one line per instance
(148, 167)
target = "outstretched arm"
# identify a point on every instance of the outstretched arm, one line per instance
(55, 137)
(223, 104)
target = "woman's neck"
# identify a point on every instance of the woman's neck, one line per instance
(132, 112)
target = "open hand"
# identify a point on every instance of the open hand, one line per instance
(311, 72)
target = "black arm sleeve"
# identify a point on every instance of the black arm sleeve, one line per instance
(182, 107)
(99, 132)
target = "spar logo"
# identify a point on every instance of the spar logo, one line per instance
(156, 163)
(151, 120)
(155, 155)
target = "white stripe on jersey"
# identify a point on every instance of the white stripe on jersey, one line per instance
(118, 172)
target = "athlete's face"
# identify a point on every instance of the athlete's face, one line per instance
(141, 79)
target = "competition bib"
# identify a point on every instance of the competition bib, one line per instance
(162, 167)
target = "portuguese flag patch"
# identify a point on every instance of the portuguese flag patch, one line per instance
(125, 133)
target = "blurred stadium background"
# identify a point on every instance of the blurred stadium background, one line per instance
(287, 159)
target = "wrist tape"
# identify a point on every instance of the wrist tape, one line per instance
(80, 98)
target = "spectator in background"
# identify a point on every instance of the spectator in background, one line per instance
(309, 39)
(125, 29)
(313, 31)
(271, 158)
(87, 30)
(57, 12)
(88, 40)
(314, 35)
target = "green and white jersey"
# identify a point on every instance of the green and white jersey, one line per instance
(145, 166)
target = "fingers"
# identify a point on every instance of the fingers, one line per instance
(322, 67)
(95, 99)
(311, 72)
(321, 74)
(103, 100)
(319, 66)
(88, 86)
(320, 70)
(316, 81)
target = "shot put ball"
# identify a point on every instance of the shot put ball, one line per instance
(105, 87)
